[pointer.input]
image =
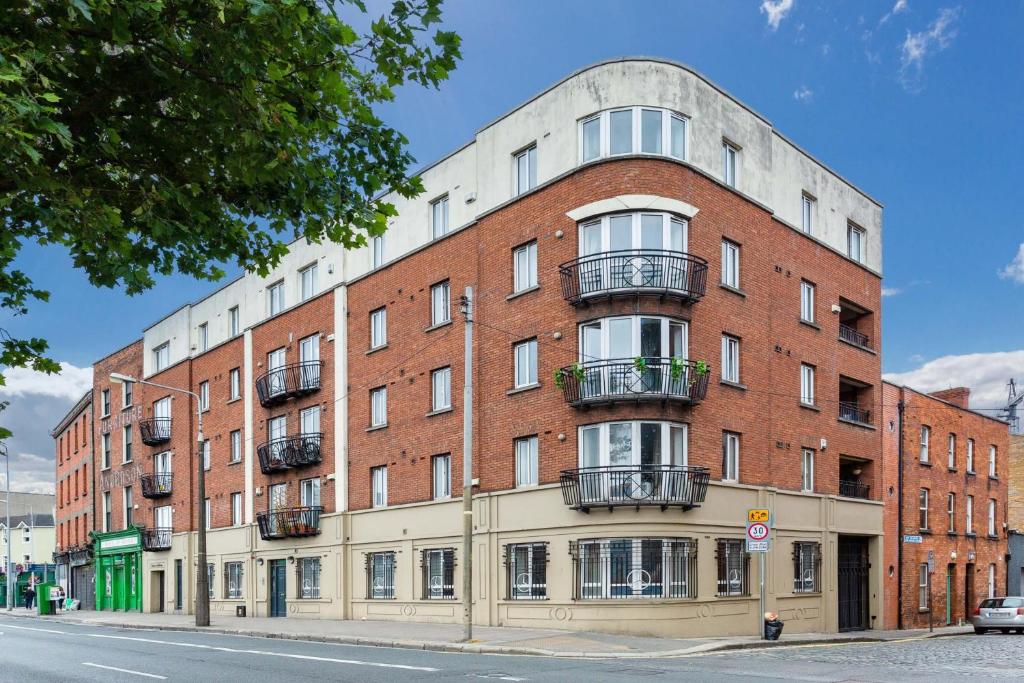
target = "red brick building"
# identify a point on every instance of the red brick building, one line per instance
(953, 489)
(75, 511)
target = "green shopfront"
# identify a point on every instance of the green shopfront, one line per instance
(118, 563)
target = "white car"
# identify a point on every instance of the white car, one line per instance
(1003, 614)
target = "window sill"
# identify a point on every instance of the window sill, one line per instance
(924, 532)
(438, 326)
(521, 292)
(124, 408)
(951, 469)
(971, 534)
(233, 400)
(810, 406)
(811, 324)
(441, 411)
(991, 478)
(375, 349)
(924, 463)
(376, 427)
(234, 462)
(952, 534)
(735, 290)
(991, 537)
(971, 473)
(866, 349)
(519, 390)
(734, 385)
(105, 416)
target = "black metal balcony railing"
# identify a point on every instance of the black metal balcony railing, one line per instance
(288, 381)
(627, 379)
(634, 486)
(673, 274)
(158, 538)
(849, 488)
(298, 450)
(852, 336)
(155, 430)
(851, 412)
(289, 522)
(157, 485)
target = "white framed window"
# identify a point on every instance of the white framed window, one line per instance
(526, 460)
(129, 506)
(807, 562)
(807, 384)
(440, 303)
(380, 576)
(644, 231)
(441, 466)
(233, 572)
(377, 251)
(236, 509)
(992, 470)
(969, 526)
(730, 359)
(235, 383)
(276, 378)
(309, 578)
(951, 512)
(635, 568)
(234, 322)
(275, 297)
(126, 394)
(991, 517)
(807, 207)
(730, 264)
(309, 492)
(309, 421)
(105, 401)
(926, 432)
(633, 443)
(626, 337)
(106, 451)
(378, 407)
(378, 328)
(730, 456)
(922, 509)
(633, 130)
(524, 259)
(236, 446)
(525, 363)
(807, 470)
(126, 444)
(163, 517)
(204, 395)
(951, 452)
(438, 574)
(970, 455)
(205, 448)
(161, 356)
(203, 337)
(379, 484)
(106, 511)
(806, 301)
(527, 571)
(922, 586)
(733, 567)
(307, 282)
(855, 242)
(524, 165)
(730, 156)
(439, 216)
(441, 385)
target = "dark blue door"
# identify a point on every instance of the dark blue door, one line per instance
(278, 589)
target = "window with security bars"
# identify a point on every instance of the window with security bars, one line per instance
(438, 573)
(526, 566)
(733, 567)
(806, 567)
(309, 578)
(233, 580)
(380, 576)
(635, 568)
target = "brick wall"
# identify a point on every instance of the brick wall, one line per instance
(1015, 516)
(74, 508)
(766, 317)
(952, 547)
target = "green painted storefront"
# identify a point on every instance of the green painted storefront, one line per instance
(118, 562)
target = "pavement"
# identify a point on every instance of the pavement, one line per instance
(45, 650)
(486, 639)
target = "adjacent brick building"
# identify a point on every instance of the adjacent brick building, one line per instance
(74, 513)
(953, 489)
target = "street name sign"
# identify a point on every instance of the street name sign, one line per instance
(912, 539)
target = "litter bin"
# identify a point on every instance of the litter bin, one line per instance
(772, 629)
(43, 597)
(239, 610)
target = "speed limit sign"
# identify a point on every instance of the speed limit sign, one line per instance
(757, 531)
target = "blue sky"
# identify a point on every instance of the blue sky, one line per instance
(918, 103)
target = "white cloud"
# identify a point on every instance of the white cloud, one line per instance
(891, 291)
(1015, 270)
(776, 11)
(826, 49)
(917, 46)
(898, 8)
(803, 94)
(917, 358)
(70, 383)
(986, 374)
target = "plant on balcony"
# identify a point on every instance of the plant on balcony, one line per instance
(675, 368)
(700, 368)
(577, 371)
(639, 363)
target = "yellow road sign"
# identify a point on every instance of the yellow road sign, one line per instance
(758, 515)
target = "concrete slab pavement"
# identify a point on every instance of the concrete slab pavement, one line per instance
(487, 639)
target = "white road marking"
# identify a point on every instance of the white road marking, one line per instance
(498, 677)
(356, 662)
(125, 671)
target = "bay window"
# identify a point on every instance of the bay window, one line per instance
(633, 130)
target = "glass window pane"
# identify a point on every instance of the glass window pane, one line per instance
(620, 443)
(620, 233)
(652, 232)
(592, 139)
(591, 444)
(650, 130)
(677, 443)
(678, 130)
(650, 443)
(590, 238)
(621, 132)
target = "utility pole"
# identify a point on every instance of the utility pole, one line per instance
(466, 307)
(10, 564)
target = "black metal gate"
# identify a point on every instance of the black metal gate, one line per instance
(853, 568)
(83, 586)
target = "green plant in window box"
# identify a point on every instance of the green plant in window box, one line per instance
(640, 363)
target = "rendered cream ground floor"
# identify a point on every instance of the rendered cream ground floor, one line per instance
(539, 515)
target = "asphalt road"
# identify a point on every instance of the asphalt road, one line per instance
(39, 651)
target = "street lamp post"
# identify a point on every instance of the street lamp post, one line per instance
(202, 576)
(7, 529)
